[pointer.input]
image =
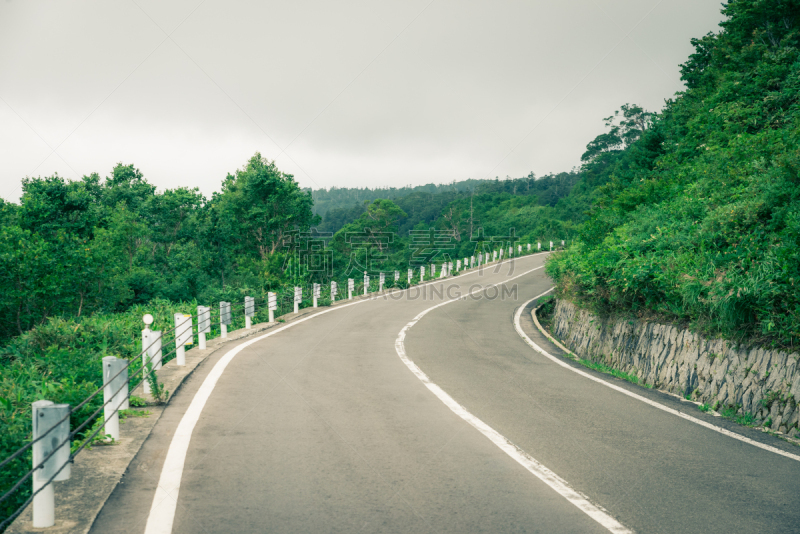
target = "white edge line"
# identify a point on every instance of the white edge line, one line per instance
(596, 512)
(652, 403)
(165, 501)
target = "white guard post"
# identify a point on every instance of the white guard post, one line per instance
(272, 303)
(381, 281)
(249, 312)
(540, 245)
(183, 336)
(298, 298)
(494, 255)
(351, 285)
(449, 268)
(47, 416)
(529, 247)
(551, 246)
(315, 290)
(203, 325)
(115, 375)
(458, 265)
(145, 359)
(334, 290)
(147, 319)
(562, 243)
(433, 271)
(519, 249)
(151, 351)
(422, 273)
(410, 272)
(396, 276)
(224, 318)
(366, 283)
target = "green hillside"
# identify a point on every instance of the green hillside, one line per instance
(698, 222)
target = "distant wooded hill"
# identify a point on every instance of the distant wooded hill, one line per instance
(426, 203)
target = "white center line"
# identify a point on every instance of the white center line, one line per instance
(544, 474)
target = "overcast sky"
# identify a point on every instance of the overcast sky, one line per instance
(338, 93)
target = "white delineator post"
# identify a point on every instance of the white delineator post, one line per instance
(249, 312)
(562, 243)
(315, 293)
(529, 247)
(115, 374)
(155, 349)
(224, 318)
(551, 246)
(540, 245)
(334, 290)
(298, 298)
(272, 304)
(351, 284)
(381, 280)
(146, 341)
(366, 283)
(47, 416)
(458, 265)
(422, 273)
(203, 325)
(183, 336)
(410, 274)
(396, 277)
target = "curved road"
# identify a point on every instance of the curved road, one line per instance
(322, 427)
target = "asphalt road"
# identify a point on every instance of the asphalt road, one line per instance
(323, 428)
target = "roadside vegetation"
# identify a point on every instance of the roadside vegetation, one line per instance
(696, 219)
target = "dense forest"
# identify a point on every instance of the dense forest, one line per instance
(73, 248)
(337, 198)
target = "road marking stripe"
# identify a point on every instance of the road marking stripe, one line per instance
(165, 501)
(652, 403)
(544, 474)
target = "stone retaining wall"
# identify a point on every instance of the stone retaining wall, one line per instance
(763, 382)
